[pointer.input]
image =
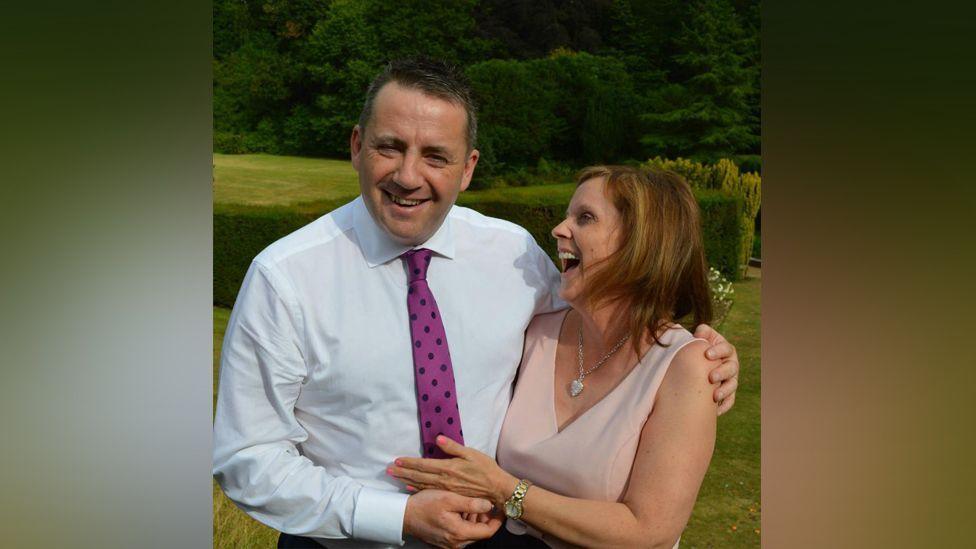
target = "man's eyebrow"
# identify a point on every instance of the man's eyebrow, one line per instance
(389, 140)
(436, 149)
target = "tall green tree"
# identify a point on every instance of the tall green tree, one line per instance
(705, 113)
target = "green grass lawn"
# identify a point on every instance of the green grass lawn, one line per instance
(727, 512)
(268, 180)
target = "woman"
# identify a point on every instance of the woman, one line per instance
(612, 423)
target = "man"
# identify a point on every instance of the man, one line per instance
(344, 330)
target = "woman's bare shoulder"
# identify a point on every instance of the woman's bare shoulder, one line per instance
(689, 368)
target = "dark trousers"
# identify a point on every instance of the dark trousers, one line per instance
(503, 539)
(288, 541)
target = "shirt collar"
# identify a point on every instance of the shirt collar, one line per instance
(378, 248)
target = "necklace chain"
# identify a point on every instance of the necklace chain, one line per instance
(576, 387)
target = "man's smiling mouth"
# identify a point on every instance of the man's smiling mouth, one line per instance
(406, 202)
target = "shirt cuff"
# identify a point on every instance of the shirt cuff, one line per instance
(379, 516)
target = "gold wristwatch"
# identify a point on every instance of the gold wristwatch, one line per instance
(513, 507)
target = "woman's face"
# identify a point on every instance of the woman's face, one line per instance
(586, 236)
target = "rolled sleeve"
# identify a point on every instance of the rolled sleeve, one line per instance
(379, 516)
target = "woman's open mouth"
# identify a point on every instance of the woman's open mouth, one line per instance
(569, 261)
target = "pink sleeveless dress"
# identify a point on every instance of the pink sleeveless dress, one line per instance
(591, 457)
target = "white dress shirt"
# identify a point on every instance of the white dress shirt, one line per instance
(317, 393)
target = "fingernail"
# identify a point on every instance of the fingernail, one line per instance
(411, 489)
(398, 463)
(389, 471)
(710, 353)
(440, 439)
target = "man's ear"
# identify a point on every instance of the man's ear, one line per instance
(469, 165)
(355, 146)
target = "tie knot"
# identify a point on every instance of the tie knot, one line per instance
(417, 263)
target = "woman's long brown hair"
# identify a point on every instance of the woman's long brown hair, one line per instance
(659, 273)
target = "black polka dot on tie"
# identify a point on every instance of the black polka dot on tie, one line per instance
(417, 344)
(430, 356)
(410, 291)
(426, 329)
(424, 398)
(430, 448)
(450, 421)
(439, 341)
(433, 382)
(443, 367)
(437, 409)
(413, 317)
(447, 394)
(423, 301)
(433, 315)
(416, 271)
(422, 371)
(427, 424)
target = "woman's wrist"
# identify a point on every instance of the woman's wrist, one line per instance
(504, 488)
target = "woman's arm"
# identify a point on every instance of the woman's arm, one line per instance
(672, 457)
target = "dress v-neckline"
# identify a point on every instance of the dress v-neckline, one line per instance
(552, 383)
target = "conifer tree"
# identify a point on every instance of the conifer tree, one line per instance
(705, 112)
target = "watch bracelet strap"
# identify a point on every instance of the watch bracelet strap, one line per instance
(520, 490)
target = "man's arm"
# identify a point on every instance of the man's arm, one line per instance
(255, 459)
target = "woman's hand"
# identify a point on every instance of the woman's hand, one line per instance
(469, 473)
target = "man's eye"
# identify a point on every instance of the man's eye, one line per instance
(438, 160)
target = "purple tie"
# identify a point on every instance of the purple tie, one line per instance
(436, 394)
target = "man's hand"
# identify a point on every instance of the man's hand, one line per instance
(727, 372)
(436, 517)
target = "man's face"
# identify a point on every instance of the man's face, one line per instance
(412, 161)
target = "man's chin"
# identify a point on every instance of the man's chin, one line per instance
(406, 234)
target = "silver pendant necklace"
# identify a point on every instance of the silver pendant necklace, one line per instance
(576, 386)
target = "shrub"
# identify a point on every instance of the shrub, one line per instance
(722, 296)
(228, 143)
(723, 175)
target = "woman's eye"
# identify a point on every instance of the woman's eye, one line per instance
(585, 218)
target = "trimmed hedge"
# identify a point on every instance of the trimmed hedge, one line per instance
(723, 175)
(241, 232)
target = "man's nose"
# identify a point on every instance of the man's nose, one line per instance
(408, 176)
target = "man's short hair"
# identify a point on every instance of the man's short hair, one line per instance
(432, 77)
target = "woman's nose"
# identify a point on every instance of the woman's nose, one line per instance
(561, 230)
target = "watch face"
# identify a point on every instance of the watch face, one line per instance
(513, 509)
